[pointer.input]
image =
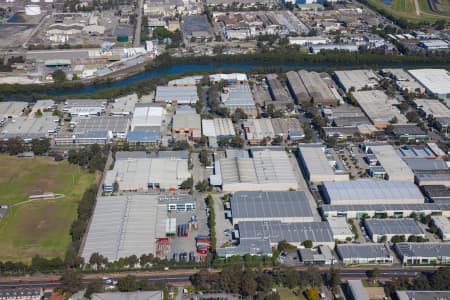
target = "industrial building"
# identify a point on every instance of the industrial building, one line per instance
(28, 128)
(422, 295)
(288, 128)
(429, 253)
(443, 225)
(12, 109)
(404, 81)
(366, 191)
(409, 132)
(117, 125)
(239, 96)
(428, 166)
(195, 27)
(379, 228)
(90, 138)
(124, 105)
(258, 130)
(432, 107)
(347, 116)
(145, 138)
(359, 211)
(186, 125)
(356, 79)
(218, 128)
(384, 155)
(139, 295)
(297, 88)
(176, 94)
(266, 170)
(84, 107)
(428, 151)
(435, 81)
(286, 207)
(437, 193)
(340, 228)
(317, 167)
(147, 118)
(143, 175)
(280, 96)
(258, 247)
(42, 106)
(379, 108)
(364, 254)
(231, 78)
(357, 290)
(318, 89)
(293, 233)
(122, 226)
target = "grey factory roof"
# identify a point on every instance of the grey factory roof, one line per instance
(386, 207)
(368, 250)
(124, 105)
(297, 88)
(356, 78)
(180, 94)
(12, 108)
(437, 81)
(140, 295)
(186, 121)
(270, 205)
(84, 103)
(357, 289)
(278, 92)
(392, 226)
(408, 130)
(424, 164)
(429, 249)
(317, 87)
(218, 127)
(115, 124)
(276, 231)
(395, 167)
(284, 126)
(247, 246)
(193, 24)
(42, 105)
(258, 129)
(433, 107)
(368, 191)
(239, 94)
(125, 225)
(443, 223)
(29, 128)
(422, 295)
(147, 117)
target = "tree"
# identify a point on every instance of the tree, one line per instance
(239, 114)
(38, 113)
(307, 244)
(248, 284)
(59, 76)
(15, 146)
(373, 274)
(127, 284)
(95, 286)
(312, 294)
(203, 157)
(421, 283)
(230, 278)
(40, 146)
(334, 277)
(264, 282)
(440, 279)
(71, 281)
(187, 184)
(202, 186)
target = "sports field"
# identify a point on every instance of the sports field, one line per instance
(41, 226)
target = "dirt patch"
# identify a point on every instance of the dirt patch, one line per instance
(39, 220)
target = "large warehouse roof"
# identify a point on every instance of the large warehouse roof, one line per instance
(429, 249)
(371, 192)
(433, 207)
(392, 226)
(316, 164)
(180, 94)
(389, 159)
(124, 105)
(29, 128)
(356, 78)
(125, 225)
(270, 206)
(422, 295)
(437, 81)
(218, 127)
(12, 108)
(433, 107)
(276, 231)
(348, 251)
(115, 124)
(147, 117)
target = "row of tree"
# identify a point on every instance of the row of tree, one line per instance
(17, 145)
(92, 157)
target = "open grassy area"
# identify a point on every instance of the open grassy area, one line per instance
(288, 294)
(42, 226)
(404, 6)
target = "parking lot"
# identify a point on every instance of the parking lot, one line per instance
(224, 227)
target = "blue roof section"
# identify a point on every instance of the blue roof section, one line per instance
(143, 136)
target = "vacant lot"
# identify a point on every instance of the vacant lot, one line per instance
(42, 226)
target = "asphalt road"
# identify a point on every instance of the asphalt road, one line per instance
(137, 35)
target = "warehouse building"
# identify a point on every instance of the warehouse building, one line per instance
(297, 88)
(379, 108)
(124, 106)
(239, 96)
(364, 254)
(289, 128)
(176, 94)
(117, 125)
(258, 130)
(404, 81)
(318, 89)
(266, 170)
(443, 225)
(90, 138)
(144, 138)
(435, 81)
(366, 191)
(378, 228)
(357, 290)
(437, 193)
(84, 107)
(254, 247)
(359, 211)
(12, 109)
(422, 295)
(317, 167)
(423, 253)
(280, 96)
(347, 116)
(139, 295)
(147, 118)
(231, 78)
(293, 233)
(431, 107)
(386, 157)
(28, 128)
(270, 206)
(428, 166)
(219, 128)
(122, 226)
(186, 125)
(428, 151)
(356, 79)
(42, 106)
(144, 175)
(340, 228)
(409, 132)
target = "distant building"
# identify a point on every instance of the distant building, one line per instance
(140, 295)
(239, 96)
(379, 228)
(185, 125)
(364, 254)
(176, 94)
(435, 81)
(422, 295)
(423, 253)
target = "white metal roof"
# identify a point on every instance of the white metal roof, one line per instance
(437, 81)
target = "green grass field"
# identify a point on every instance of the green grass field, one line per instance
(42, 226)
(406, 9)
(404, 6)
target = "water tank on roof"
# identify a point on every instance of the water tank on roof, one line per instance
(32, 10)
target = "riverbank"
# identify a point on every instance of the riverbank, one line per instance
(165, 67)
